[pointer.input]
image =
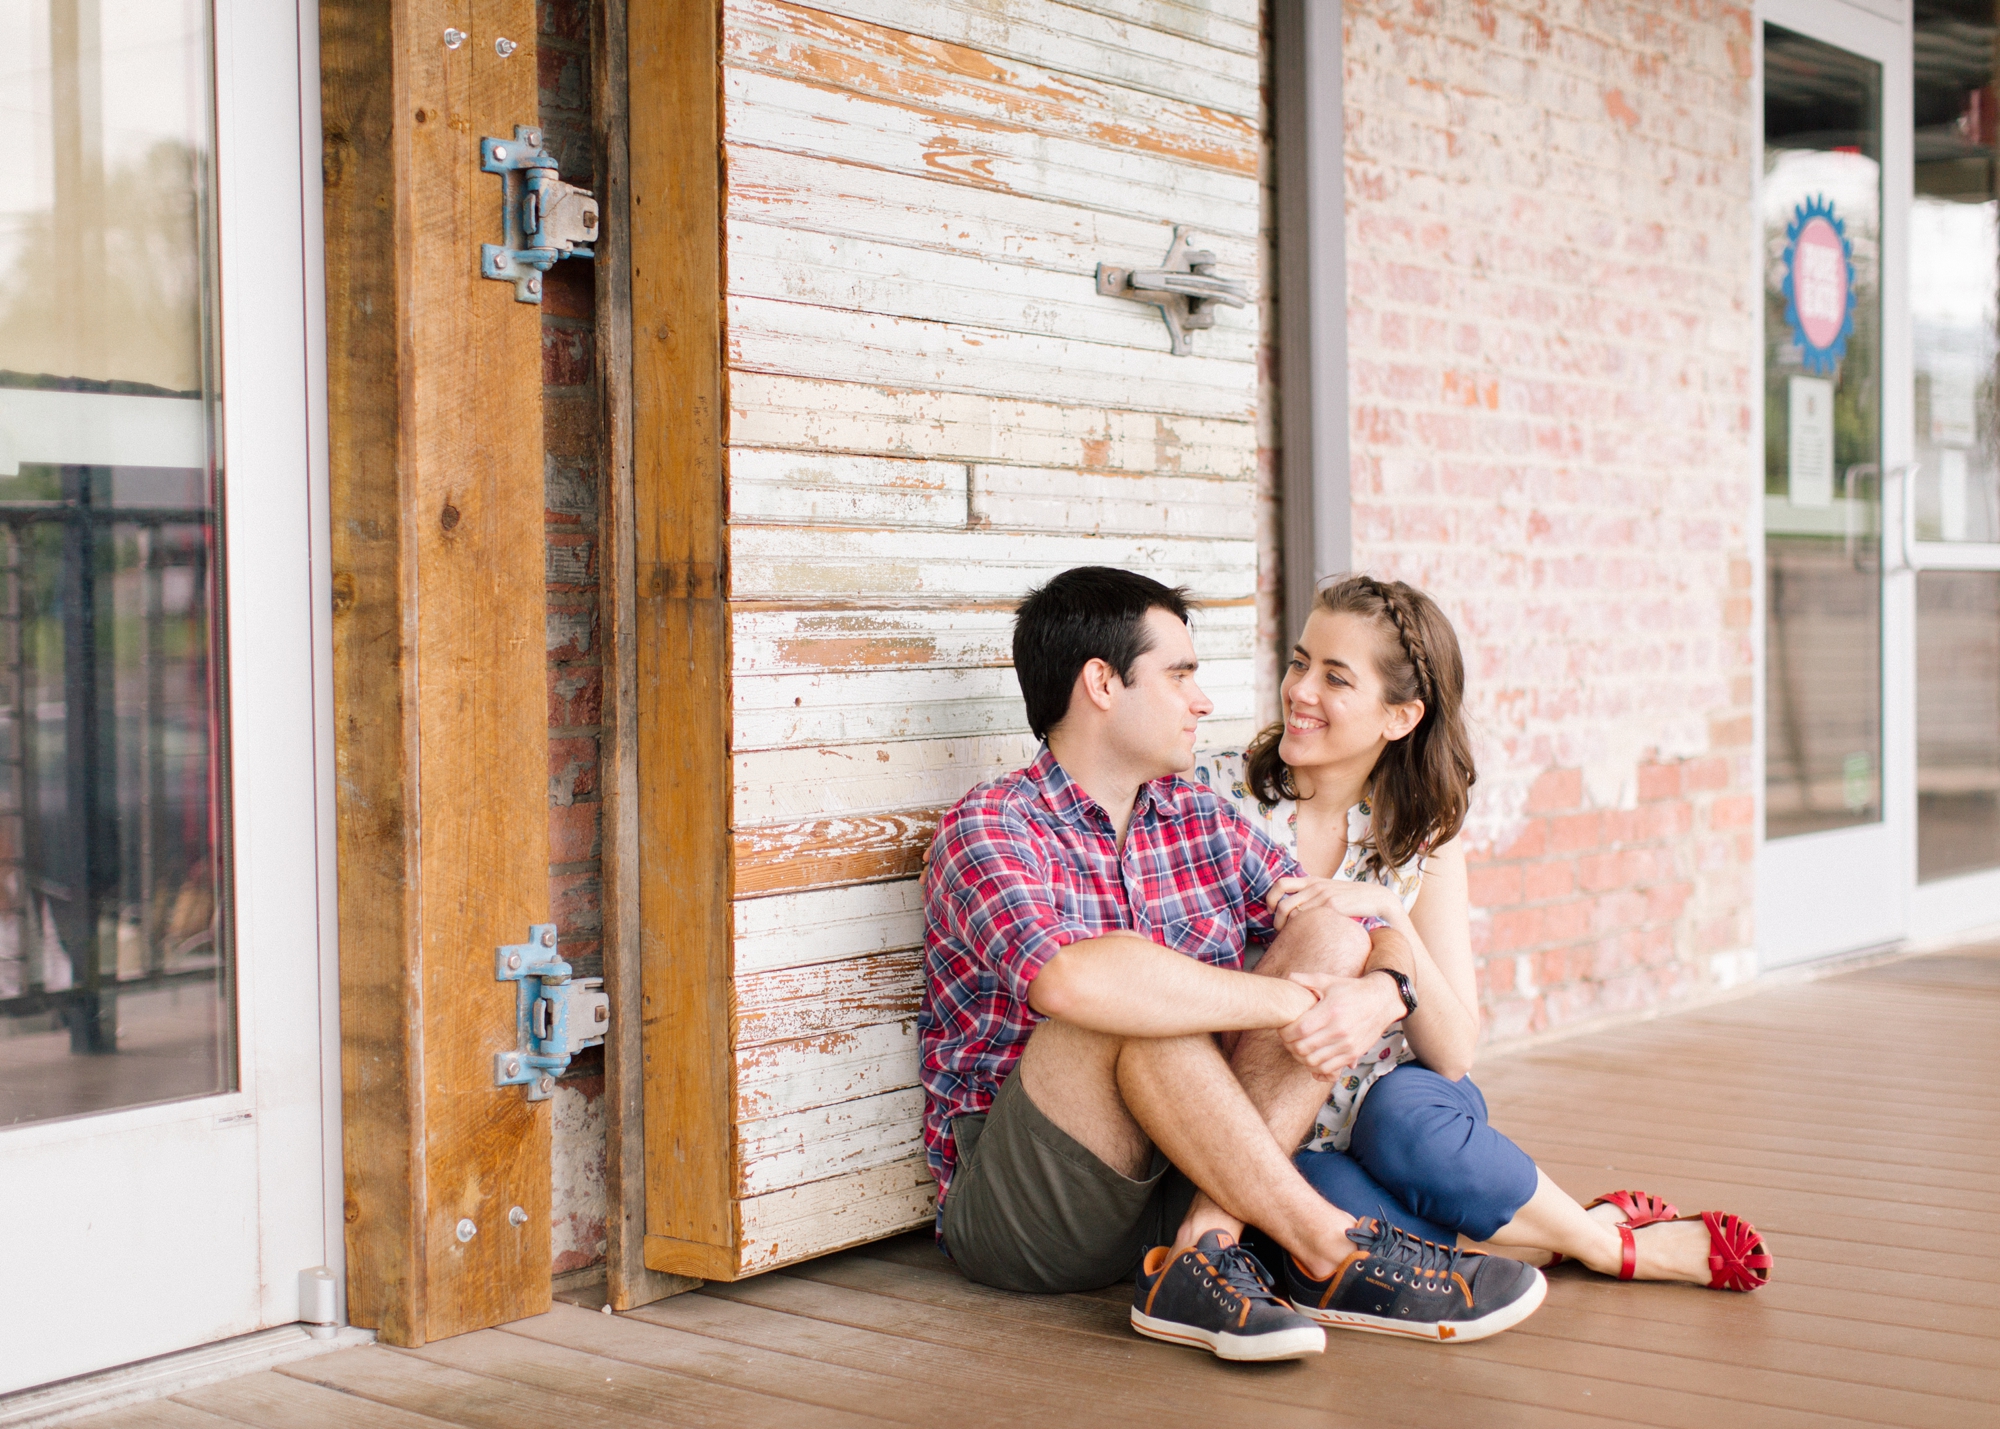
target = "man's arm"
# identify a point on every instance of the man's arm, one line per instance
(1130, 986)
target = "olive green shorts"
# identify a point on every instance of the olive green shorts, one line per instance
(1031, 1208)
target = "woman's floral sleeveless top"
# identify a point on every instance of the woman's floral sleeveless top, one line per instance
(1223, 771)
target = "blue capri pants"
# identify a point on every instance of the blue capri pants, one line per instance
(1423, 1158)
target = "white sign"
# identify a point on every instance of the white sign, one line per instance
(1809, 475)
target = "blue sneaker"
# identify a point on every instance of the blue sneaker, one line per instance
(1219, 1297)
(1394, 1283)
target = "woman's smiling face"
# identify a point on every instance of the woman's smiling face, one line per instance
(1332, 697)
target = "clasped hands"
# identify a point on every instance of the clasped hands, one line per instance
(1348, 1014)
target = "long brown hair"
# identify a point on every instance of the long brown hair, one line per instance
(1422, 783)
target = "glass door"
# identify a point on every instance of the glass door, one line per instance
(161, 1026)
(1951, 503)
(1832, 873)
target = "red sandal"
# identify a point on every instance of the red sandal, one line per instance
(1737, 1259)
(1641, 1208)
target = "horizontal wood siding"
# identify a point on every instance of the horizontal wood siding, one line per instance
(931, 411)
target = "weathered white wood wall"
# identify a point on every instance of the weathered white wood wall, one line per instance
(932, 410)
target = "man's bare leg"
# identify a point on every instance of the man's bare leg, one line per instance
(1230, 1123)
(1285, 1094)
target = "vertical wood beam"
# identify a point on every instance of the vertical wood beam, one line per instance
(439, 692)
(682, 632)
(628, 1279)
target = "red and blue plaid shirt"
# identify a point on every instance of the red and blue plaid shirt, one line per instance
(1027, 864)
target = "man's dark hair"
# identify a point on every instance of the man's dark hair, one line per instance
(1089, 613)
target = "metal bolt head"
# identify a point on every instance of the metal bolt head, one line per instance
(466, 1230)
(548, 937)
(504, 47)
(517, 1217)
(534, 285)
(513, 959)
(548, 1084)
(453, 39)
(603, 1013)
(500, 152)
(533, 138)
(513, 1066)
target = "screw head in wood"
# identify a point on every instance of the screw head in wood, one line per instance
(504, 47)
(466, 1230)
(517, 1217)
(453, 38)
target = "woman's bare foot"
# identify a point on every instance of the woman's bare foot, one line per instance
(1668, 1250)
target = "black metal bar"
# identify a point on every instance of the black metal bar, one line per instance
(28, 1004)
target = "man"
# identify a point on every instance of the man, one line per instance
(1106, 1087)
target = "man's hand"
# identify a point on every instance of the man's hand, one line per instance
(1350, 1017)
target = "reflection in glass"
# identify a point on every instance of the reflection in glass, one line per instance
(1822, 426)
(1954, 271)
(1954, 266)
(115, 981)
(1958, 722)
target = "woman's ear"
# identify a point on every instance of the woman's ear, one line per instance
(1402, 719)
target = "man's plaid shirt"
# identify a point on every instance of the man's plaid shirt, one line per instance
(1027, 864)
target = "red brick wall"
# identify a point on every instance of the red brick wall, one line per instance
(1551, 331)
(575, 665)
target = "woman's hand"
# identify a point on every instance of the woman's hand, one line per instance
(1345, 896)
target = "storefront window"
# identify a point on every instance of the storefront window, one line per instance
(1954, 271)
(1822, 197)
(115, 985)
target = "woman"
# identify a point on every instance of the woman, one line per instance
(1366, 780)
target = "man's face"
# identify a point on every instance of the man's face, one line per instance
(1153, 719)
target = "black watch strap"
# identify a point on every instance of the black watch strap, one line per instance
(1403, 988)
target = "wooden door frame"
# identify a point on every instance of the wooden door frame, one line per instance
(680, 647)
(439, 682)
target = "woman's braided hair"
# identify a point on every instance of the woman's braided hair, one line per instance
(1422, 783)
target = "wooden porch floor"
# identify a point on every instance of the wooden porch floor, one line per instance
(1856, 1120)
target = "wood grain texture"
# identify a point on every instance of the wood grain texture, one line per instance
(825, 853)
(682, 638)
(629, 1281)
(441, 720)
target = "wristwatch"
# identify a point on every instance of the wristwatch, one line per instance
(1403, 989)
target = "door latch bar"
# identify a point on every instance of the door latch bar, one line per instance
(1185, 288)
(555, 1015)
(543, 219)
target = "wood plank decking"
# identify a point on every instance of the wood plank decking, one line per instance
(1855, 1119)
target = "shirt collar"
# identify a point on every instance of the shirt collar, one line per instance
(1068, 800)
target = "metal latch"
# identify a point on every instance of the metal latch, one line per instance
(543, 218)
(1184, 288)
(555, 1016)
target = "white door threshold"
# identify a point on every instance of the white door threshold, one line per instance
(156, 1378)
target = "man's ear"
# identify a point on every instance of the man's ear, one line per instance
(1095, 682)
(1403, 718)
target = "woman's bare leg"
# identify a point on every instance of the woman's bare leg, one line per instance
(1553, 1221)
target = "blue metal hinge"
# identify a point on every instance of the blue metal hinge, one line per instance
(543, 219)
(555, 1016)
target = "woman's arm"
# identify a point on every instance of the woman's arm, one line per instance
(1437, 936)
(1444, 1030)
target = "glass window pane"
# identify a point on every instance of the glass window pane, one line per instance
(1954, 265)
(1822, 465)
(115, 984)
(1958, 722)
